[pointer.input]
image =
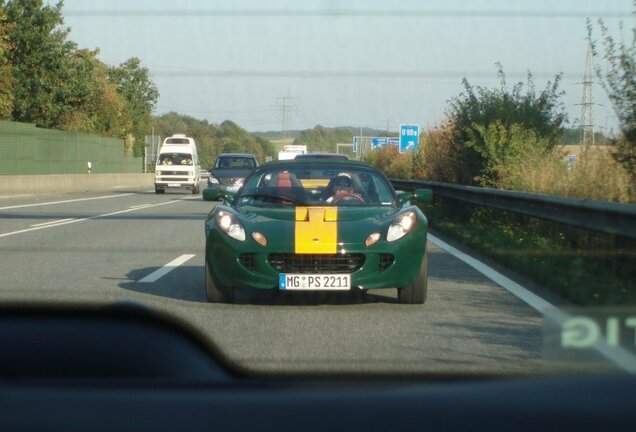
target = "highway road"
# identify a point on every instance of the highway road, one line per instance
(138, 246)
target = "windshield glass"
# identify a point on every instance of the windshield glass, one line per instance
(483, 223)
(234, 162)
(316, 184)
(175, 159)
(177, 141)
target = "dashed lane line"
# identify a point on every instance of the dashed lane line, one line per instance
(35, 228)
(64, 201)
(52, 222)
(159, 273)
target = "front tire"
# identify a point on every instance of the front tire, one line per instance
(159, 191)
(214, 290)
(416, 292)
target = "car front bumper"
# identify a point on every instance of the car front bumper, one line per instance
(247, 264)
(177, 183)
(222, 187)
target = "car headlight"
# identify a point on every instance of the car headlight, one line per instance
(213, 180)
(401, 226)
(229, 224)
(158, 172)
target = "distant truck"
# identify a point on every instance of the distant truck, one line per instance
(177, 165)
(290, 151)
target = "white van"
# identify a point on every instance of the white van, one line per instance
(290, 151)
(177, 165)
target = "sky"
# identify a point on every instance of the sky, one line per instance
(365, 63)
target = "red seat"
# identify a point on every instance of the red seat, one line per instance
(284, 184)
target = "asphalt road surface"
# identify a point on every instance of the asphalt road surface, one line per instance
(102, 248)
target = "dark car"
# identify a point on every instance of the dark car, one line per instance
(229, 171)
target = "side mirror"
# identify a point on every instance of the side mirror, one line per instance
(419, 195)
(211, 194)
(423, 195)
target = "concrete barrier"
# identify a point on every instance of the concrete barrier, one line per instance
(56, 183)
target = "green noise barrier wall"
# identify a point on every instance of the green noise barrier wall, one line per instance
(29, 150)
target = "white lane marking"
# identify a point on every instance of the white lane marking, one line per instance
(84, 219)
(619, 356)
(140, 206)
(155, 275)
(65, 201)
(532, 299)
(52, 222)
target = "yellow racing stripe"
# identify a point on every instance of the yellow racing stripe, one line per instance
(316, 230)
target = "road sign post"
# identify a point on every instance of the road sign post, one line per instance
(356, 141)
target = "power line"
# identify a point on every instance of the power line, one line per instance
(370, 13)
(353, 74)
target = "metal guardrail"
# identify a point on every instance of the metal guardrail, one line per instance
(606, 217)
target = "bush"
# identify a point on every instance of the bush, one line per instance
(517, 159)
(391, 162)
(595, 174)
(479, 112)
(434, 158)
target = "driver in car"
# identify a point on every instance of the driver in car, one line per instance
(341, 188)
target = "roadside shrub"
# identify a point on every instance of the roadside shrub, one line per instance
(502, 148)
(391, 162)
(434, 158)
(479, 112)
(518, 159)
(595, 174)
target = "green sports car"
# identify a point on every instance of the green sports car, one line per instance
(316, 225)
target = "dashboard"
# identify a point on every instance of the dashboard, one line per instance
(124, 367)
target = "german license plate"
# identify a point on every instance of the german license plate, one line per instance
(174, 184)
(291, 281)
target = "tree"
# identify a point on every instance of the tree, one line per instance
(140, 95)
(478, 108)
(38, 54)
(618, 76)
(323, 139)
(6, 75)
(213, 139)
(91, 102)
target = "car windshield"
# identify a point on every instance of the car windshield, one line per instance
(316, 184)
(484, 223)
(175, 159)
(235, 162)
